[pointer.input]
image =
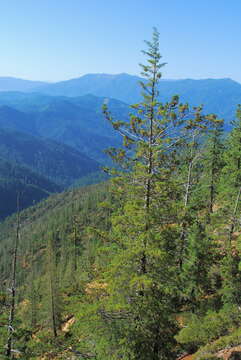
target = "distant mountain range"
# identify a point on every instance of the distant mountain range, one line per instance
(219, 96)
(15, 84)
(77, 122)
(53, 135)
(49, 143)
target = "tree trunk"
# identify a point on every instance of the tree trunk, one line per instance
(13, 286)
(232, 225)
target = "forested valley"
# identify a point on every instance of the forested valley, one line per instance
(143, 266)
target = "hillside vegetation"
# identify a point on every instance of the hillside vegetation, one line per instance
(57, 162)
(18, 180)
(33, 168)
(77, 122)
(143, 267)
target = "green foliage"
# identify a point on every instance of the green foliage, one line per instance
(200, 255)
(202, 330)
(138, 281)
(231, 175)
(230, 270)
(223, 342)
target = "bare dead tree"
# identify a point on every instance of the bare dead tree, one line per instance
(13, 285)
(234, 218)
(188, 187)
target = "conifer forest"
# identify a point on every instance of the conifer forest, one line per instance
(138, 261)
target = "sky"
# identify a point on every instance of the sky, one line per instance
(54, 40)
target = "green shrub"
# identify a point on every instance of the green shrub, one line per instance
(202, 330)
(231, 340)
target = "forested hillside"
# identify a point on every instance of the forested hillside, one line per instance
(143, 267)
(77, 122)
(34, 167)
(18, 180)
(57, 162)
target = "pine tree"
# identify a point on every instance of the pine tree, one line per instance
(230, 186)
(142, 277)
(200, 255)
(231, 189)
(189, 174)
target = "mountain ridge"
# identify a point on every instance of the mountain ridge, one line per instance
(77, 122)
(219, 96)
(7, 83)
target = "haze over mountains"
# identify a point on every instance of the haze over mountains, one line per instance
(58, 132)
(218, 95)
(8, 83)
(77, 122)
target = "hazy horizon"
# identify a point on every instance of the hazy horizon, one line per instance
(113, 74)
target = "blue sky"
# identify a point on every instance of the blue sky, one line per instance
(60, 39)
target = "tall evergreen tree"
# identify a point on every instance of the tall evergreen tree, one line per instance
(231, 189)
(231, 176)
(142, 278)
(189, 174)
